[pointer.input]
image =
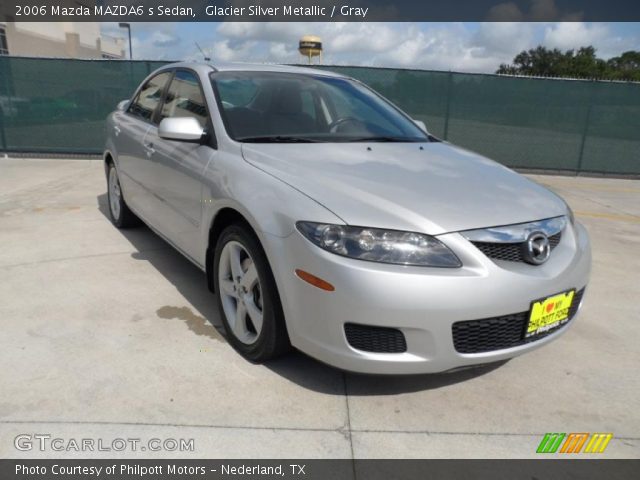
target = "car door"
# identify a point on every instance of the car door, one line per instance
(180, 165)
(130, 131)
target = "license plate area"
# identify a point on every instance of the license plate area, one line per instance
(549, 313)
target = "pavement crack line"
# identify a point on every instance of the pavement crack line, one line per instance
(167, 425)
(478, 434)
(349, 431)
(82, 257)
(339, 430)
(44, 188)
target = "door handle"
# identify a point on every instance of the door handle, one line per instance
(116, 129)
(148, 147)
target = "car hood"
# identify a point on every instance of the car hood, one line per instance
(433, 187)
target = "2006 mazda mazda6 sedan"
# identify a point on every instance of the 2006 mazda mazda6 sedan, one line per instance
(327, 219)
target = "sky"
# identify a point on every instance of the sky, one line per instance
(463, 47)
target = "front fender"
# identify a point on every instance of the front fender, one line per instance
(269, 205)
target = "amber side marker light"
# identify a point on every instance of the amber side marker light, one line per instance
(315, 281)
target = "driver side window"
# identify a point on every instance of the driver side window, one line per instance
(148, 99)
(184, 98)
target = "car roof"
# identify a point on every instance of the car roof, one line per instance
(203, 67)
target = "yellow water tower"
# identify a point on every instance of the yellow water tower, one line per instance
(311, 46)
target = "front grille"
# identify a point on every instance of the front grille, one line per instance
(375, 339)
(511, 252)
(497, 333)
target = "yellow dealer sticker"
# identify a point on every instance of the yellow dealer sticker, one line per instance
(549, 313)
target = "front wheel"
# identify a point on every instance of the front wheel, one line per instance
(247, 296)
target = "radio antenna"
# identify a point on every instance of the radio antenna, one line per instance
(206, 59)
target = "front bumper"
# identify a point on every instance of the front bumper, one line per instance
(421, 302)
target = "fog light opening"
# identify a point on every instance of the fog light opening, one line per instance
(315, 281)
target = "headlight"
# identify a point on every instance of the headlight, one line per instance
(376, 245)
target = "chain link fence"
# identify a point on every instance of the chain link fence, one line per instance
(59, 106)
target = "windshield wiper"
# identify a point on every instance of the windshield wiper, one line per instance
(278, 139)
(382, 138)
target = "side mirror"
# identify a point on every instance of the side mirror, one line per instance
(186, 129)
(122, 106)
(421, 124)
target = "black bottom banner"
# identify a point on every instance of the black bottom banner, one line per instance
(321, 469)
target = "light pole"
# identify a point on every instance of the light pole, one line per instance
(128, 27)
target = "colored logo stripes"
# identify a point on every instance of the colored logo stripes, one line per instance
(574, 442)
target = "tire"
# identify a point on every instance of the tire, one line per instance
(254, 293)
(119, 213)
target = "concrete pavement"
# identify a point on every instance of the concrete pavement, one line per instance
(106, 335)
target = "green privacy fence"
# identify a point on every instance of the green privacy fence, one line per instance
(53, 105)
(59, 105)
(573, 125)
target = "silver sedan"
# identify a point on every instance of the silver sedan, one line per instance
(328, 220)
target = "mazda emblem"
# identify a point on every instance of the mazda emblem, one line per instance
(537, 248)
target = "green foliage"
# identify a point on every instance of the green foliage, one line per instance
(583, 63)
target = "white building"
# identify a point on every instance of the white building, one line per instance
(59, 39)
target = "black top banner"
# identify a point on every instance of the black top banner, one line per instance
(319, 11)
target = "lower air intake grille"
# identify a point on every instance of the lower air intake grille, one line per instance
(497, 333)
(511, 252)
(375, 339)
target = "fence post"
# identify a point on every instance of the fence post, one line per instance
(132, 82)
(446, 117)
(7, 93)
(585, 128)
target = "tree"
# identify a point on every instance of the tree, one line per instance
(626, 66)
(583, 63)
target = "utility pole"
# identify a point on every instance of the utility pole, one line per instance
(128, 27)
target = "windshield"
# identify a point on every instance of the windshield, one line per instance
(267, 107)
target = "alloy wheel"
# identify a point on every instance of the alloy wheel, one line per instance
(240, 292)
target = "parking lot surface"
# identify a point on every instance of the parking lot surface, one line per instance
(108, 334)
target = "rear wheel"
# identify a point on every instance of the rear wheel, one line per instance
(247, 296)
(120, 214)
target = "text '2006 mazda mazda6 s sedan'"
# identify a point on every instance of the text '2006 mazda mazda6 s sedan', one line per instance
(327, 219)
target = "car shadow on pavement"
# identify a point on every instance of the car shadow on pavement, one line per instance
(296, 367)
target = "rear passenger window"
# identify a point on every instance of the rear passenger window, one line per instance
(184, 98)
(148, 98)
